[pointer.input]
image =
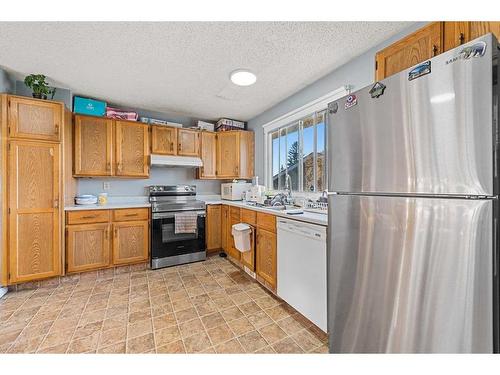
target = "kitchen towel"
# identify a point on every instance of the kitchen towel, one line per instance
(185, 222)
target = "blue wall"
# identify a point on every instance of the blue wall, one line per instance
(61, 95)
(7, 83)
(358, 73)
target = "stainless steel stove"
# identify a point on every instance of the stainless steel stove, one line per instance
(167, 247)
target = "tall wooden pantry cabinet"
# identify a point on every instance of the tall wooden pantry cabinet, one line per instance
(32, 188)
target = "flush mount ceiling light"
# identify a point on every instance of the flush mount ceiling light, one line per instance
(243, 77)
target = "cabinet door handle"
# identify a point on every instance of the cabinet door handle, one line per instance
(56, 203)
(116, 232)
(461, 38)
(119, 167)
(171, 146)
(179, 146)
(129, 215)
(106, 234)
(89, 217)
(56, 129)
(434, 50)
(108, 166)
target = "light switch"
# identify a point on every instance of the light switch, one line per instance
(105, 185)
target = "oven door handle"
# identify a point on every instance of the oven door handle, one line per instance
(169, 215)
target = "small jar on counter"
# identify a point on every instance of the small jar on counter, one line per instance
(103, 199)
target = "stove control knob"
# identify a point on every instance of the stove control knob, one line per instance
(153, 188)
(187, 188)
(160, 188)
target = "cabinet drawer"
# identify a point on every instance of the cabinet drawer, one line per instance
(234, 213)
(248, 216)
(87, 217)
(131, 214)
(266, 221)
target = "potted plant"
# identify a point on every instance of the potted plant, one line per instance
(40, 87)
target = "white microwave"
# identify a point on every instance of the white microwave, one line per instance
(233, 191)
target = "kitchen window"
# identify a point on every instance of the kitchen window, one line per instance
(295, 144)
(298, 149)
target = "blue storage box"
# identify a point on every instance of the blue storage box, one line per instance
(86, 106)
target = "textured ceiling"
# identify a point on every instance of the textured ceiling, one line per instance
(184, 67)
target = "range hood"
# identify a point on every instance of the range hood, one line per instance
(175, 161)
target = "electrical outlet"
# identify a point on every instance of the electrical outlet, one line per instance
(105, 185)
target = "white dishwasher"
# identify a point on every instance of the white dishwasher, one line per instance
(302, 268)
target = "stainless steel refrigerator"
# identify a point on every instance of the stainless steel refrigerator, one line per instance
(413, 209)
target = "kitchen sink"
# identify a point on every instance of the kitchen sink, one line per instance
(275, 208)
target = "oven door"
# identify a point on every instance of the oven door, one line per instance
(166, 243)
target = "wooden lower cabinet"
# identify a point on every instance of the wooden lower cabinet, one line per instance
(213, 228)
(98, 239)
(266, 256)
(87, 247)
(223, 227)
(234, 218)
(130, 242)
(248, 258)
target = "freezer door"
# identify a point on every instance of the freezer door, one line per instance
(430, 135)
(410, 275)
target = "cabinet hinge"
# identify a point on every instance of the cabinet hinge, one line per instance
(8, 210)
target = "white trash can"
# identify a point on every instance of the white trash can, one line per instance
(242, 234)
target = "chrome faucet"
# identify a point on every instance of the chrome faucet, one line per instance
(288, 187)
(324, 197)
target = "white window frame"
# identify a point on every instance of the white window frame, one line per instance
(317, 105)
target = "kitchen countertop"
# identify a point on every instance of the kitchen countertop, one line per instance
(138, 202)
(308, 217)
(113, 204)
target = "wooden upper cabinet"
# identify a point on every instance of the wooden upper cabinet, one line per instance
(163, 140)
(93, 146)
(35, 204)
(415, 48)
(456, 33)
(228, 146)
(213, 227)
(87, 247)
(247, 154)
(265, 260)
(460, 32)
(130, 242)
(235, 154)
(132, 149)
(480, 28)
(188, 142)
(35, 119)
(208, 144)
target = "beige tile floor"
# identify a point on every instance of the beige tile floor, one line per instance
(207, 307)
